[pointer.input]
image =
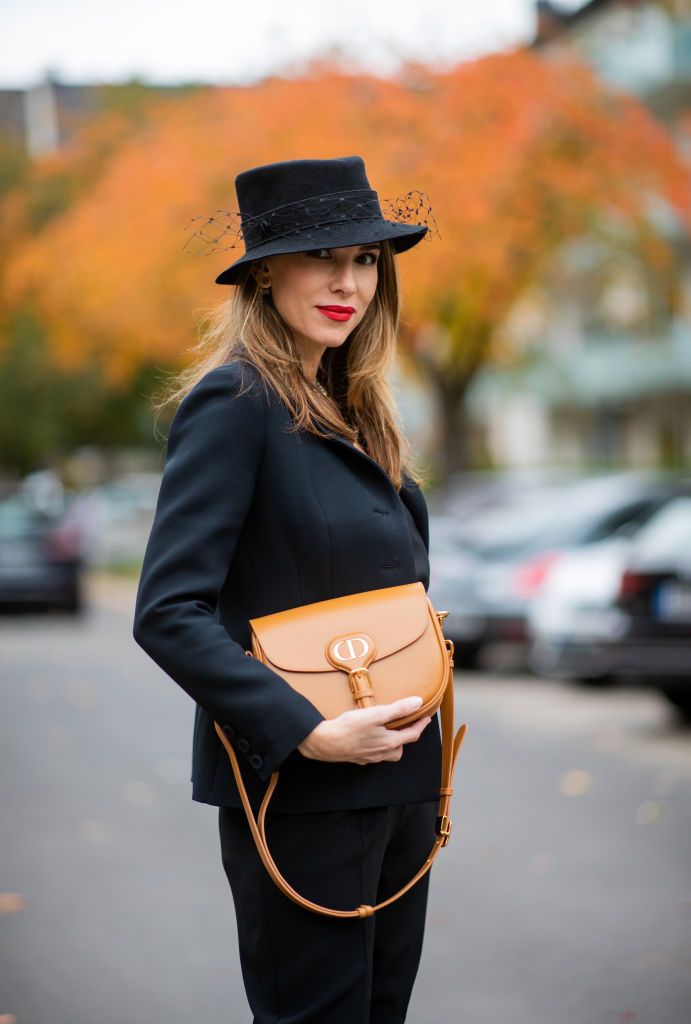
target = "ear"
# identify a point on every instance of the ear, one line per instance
(260, 271)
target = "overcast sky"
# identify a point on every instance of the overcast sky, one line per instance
(223, 41)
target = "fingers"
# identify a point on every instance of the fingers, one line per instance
(392, 743)
(411, 733)
(361, 735)
(399, 737)
(385, 754)
(383, 713)
(394, 755)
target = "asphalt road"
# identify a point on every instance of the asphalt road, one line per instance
(564, 896)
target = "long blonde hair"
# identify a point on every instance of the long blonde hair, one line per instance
(362, 407)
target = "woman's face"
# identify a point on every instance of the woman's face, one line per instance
(303, 283)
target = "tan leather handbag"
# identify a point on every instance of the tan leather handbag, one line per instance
(353, 652)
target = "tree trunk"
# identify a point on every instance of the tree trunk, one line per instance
(456, 449)
(451, 375)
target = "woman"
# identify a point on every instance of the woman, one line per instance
(287, 481)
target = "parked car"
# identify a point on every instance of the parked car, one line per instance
(515, 548)
(115, 518)
(40, 557)
(471, 495)
(573, 619)
(622, 607)
(655, 599)
(452, 576)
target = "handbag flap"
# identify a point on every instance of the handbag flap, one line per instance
(296, 639)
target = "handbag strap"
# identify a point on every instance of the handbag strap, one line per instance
(450, 746)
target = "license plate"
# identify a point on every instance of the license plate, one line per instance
(673, 602)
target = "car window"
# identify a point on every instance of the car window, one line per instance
(669, 531)
(623, 521)
(16, 520)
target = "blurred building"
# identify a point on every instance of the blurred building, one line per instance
(605, 342)
(43, 118)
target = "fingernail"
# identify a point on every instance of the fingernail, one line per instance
(417, 701)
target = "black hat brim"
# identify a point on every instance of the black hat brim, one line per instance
(401, 236)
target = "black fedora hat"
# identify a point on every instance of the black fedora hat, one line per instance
(295, 205)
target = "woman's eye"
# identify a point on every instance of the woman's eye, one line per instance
(370, 257)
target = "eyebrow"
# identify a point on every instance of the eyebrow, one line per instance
(371, 245)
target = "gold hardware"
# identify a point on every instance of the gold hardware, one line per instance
(443, 828)
(361, 687)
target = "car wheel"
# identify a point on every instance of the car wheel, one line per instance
(681, 700)
(73, 604)
(595, 682)
(466, 655)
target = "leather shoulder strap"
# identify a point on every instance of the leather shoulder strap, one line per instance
(450, 747)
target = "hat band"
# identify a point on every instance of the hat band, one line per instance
(307, 220)
(312, 212)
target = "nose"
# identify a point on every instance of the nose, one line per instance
(344, 277)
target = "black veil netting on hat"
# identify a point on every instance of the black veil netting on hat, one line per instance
(363, 219)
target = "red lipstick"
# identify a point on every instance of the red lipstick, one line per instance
(337, 312)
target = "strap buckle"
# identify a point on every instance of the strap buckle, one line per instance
(443, 828)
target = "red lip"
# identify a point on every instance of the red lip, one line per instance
(341, 313)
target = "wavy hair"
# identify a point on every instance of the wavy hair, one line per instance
(361, 406)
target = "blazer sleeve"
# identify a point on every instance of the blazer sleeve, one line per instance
(214, 450)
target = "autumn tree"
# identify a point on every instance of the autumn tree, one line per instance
(516, 154)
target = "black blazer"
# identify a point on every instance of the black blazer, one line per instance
(251, 519)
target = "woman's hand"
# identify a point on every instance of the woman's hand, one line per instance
(361, 735)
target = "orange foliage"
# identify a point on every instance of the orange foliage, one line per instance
(517, 154)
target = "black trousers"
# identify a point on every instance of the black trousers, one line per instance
(299, 967)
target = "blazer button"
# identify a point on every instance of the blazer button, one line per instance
(256, 761)
(228, 730)
(243, 746)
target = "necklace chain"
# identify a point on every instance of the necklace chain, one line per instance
(318, 386)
